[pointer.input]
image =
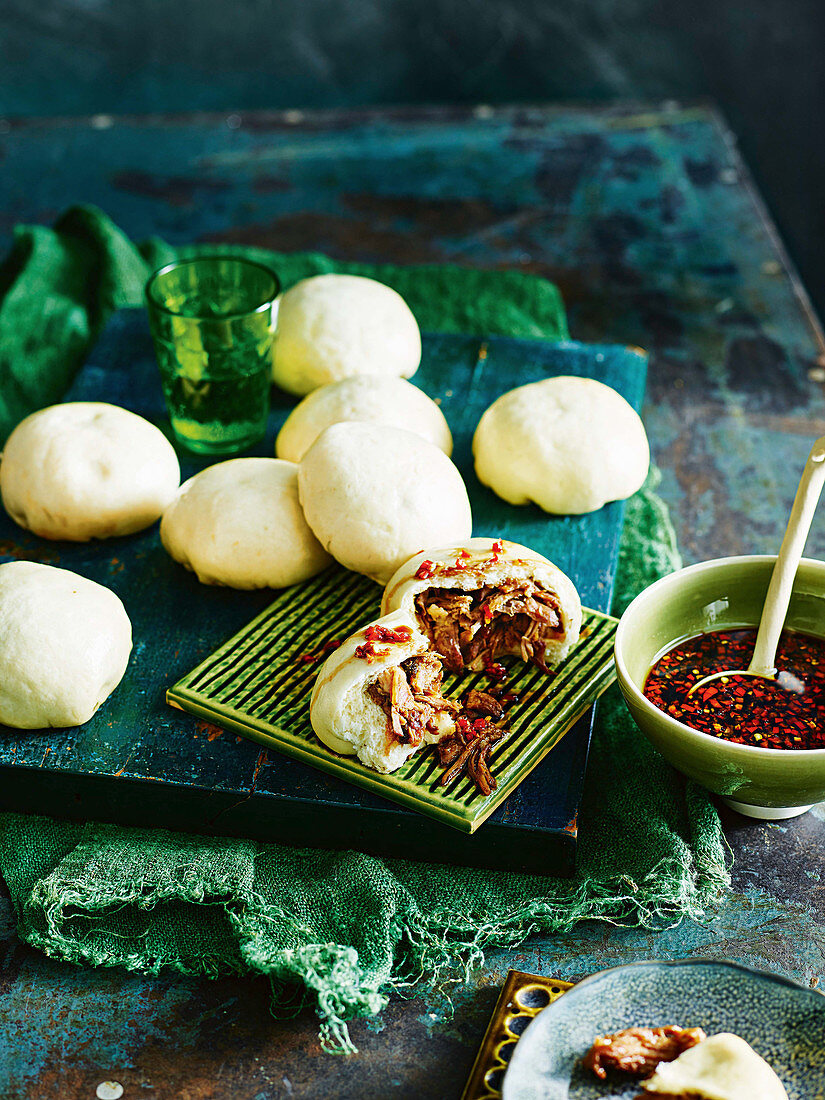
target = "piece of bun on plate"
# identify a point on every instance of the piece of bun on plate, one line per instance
(378, 696)
(485, 598)
(723, 1067)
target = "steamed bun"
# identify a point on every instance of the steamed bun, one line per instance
(86, 470)
(374, 496)
(334, 326)
(64, 645)
(568, 444)
(239, 523)
(390, 401)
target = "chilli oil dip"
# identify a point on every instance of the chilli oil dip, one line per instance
(785, 713)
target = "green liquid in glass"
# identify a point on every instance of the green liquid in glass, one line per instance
(212, 325)
(218, 401)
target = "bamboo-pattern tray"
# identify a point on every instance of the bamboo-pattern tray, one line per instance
(256, 684)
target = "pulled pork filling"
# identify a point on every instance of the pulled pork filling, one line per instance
(470, 629)
(410, 696)
(639, 1050)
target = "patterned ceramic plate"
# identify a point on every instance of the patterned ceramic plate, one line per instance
(257, 685)
(783, 1021)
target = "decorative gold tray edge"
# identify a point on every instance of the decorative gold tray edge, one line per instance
(521, 999)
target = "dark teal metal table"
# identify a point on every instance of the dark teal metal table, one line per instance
(645, 217)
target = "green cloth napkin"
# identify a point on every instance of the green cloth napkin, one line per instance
(350, 927)
(58, 287)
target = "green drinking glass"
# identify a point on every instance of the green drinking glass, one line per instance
(213, 323)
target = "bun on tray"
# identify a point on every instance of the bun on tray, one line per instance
(239, 523)
(568, 444)
(378, 695)
(334, 326)
(367, 399)
(64, 645)
(86, 470)
(374, 495)
(482, 598)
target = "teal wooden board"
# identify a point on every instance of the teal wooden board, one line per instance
(140, 761)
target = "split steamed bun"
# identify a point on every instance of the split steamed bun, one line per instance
(342, 710)
(334, 326)
(390, 401)
(64, 645)
(375, 495)
(723, 1067)
(239, 523)
(501, 598)
(85, 470)
(568, 444)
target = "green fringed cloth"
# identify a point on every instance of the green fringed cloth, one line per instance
(351, 928)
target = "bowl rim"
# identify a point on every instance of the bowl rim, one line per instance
(628, 685)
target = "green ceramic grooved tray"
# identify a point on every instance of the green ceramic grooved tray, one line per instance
(257, 685)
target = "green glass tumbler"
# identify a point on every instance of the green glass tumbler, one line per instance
(213, 323)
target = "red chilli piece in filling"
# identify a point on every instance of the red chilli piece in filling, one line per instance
(368, 652)
(494, 671)
(425, 570)
(388, 634)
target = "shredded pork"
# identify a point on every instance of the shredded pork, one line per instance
(637, 1051)
(464, 732)
(470, 629)
(410, 696)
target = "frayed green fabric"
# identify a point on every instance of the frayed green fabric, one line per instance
(347, 928)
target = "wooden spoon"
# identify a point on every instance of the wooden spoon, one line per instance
(784, 573)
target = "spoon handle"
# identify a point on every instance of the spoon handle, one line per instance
(787, 562)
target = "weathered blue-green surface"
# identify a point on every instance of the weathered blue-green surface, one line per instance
(138, 761)
(645, 219)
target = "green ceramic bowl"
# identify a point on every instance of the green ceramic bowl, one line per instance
(718, 595)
